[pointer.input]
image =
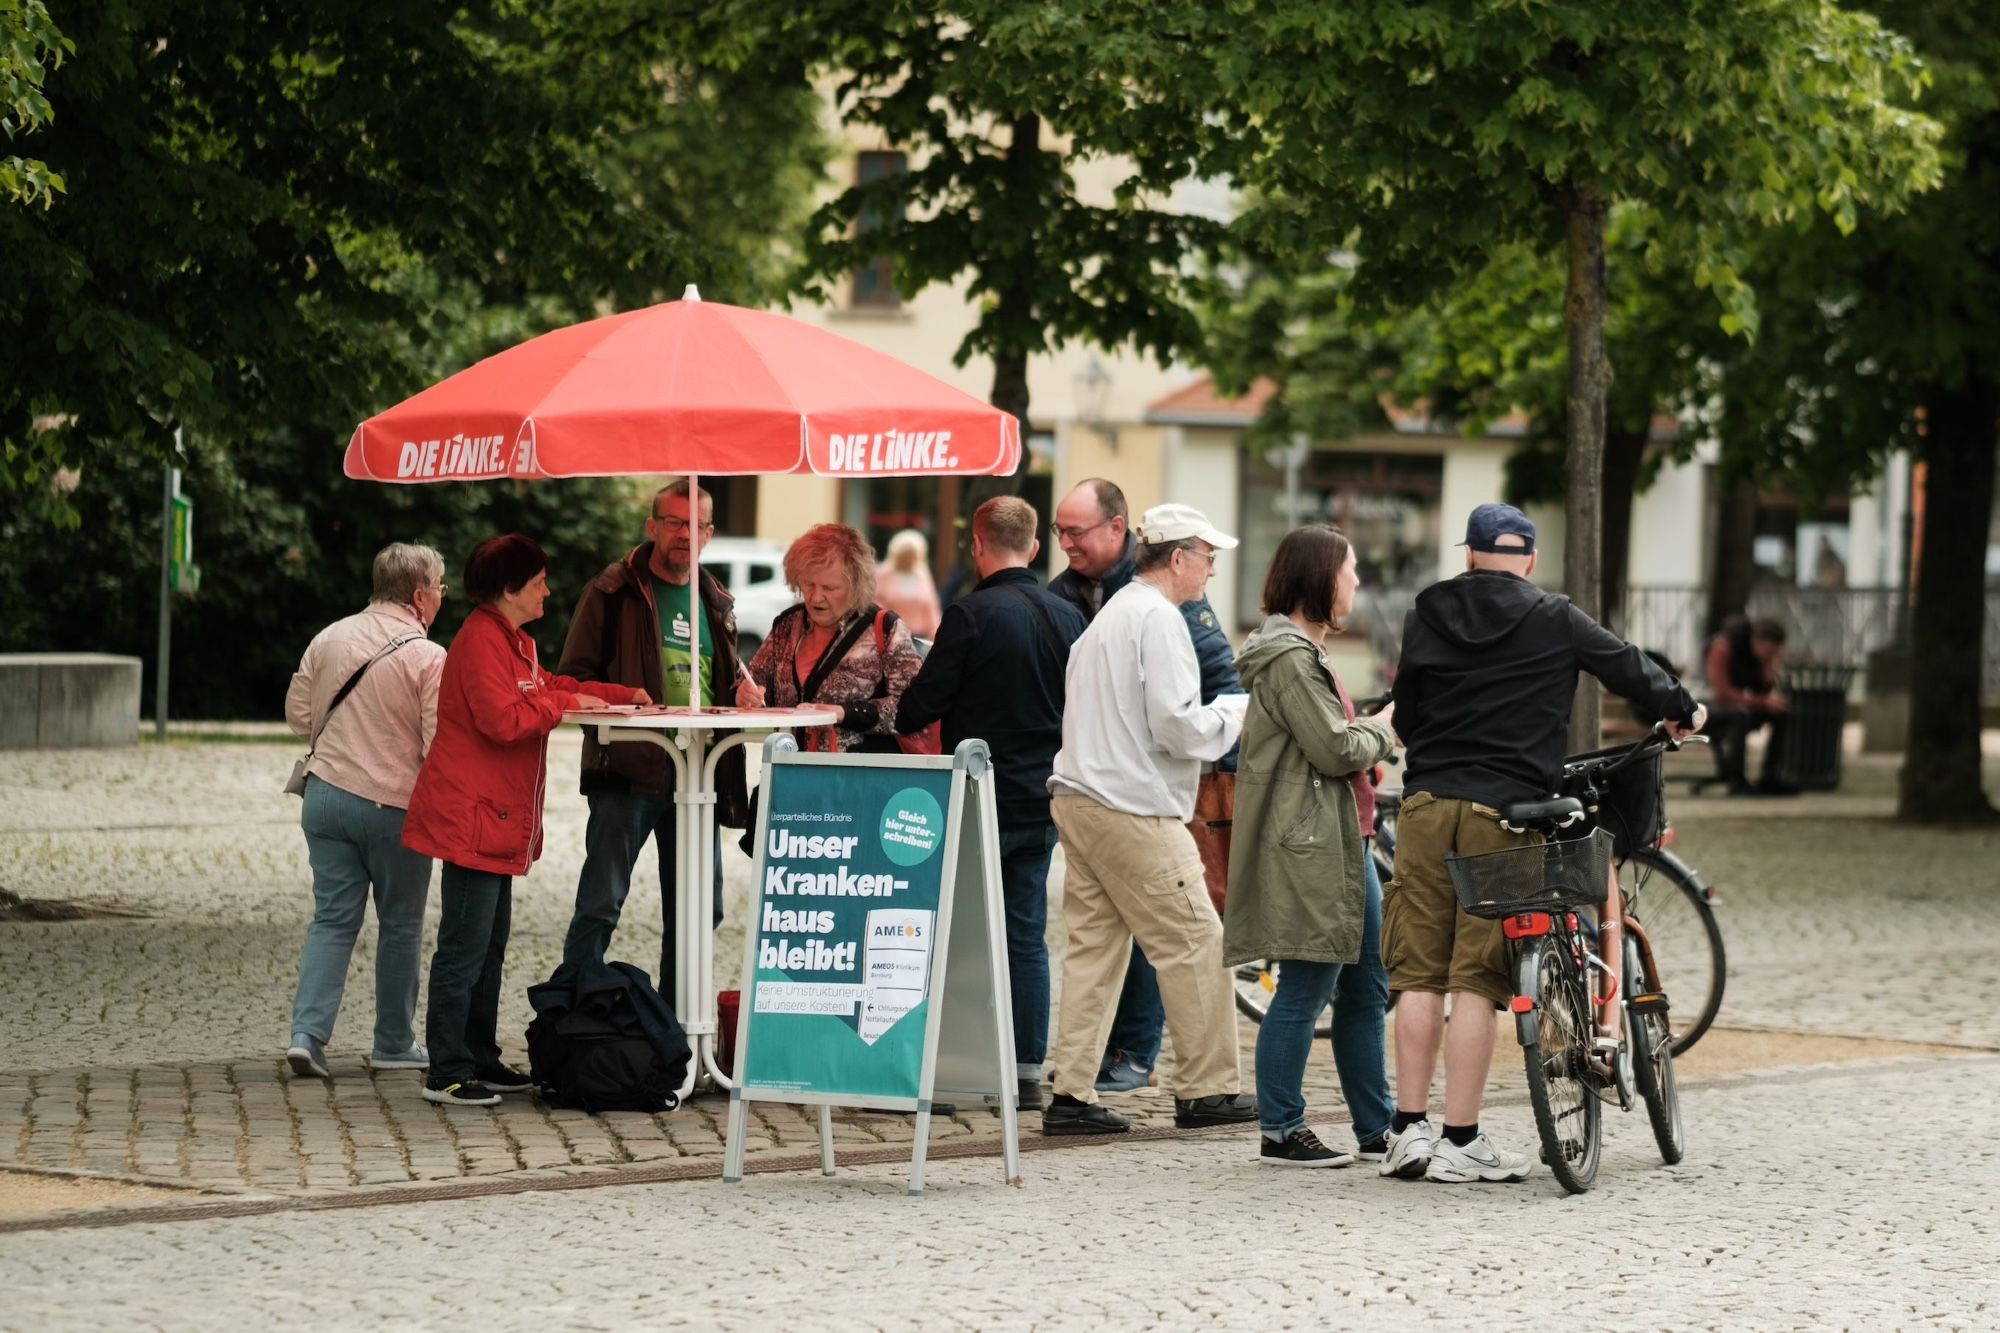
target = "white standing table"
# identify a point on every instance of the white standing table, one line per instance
(685, 735)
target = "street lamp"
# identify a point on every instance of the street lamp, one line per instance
(1093, 395)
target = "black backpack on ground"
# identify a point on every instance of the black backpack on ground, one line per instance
(604, 1040)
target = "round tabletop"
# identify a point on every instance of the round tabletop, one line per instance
(659, 717)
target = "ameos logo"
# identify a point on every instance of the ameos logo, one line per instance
(891, 451)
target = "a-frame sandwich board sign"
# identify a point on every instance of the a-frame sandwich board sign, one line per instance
(875, 960)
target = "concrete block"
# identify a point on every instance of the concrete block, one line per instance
(62, 700)
(1885, 709)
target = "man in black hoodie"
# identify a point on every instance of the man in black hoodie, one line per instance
(1482, 699)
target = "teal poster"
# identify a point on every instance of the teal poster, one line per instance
(845, 943)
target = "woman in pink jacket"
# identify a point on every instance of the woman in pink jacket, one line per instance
(477, 807)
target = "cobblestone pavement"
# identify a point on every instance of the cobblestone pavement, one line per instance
(1855, 1223)
(149, 1046)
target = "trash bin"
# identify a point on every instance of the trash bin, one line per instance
(1808, 736)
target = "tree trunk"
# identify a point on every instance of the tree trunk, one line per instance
(1624, 454)
(1941, 777)
(1589, 385)
(1735, 537)
(1016, 310)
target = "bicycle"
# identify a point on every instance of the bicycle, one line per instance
(1679, 904)
(1555, 907)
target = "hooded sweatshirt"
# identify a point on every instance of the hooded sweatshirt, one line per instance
(1487, 679)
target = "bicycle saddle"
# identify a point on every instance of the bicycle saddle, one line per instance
(1562, 811)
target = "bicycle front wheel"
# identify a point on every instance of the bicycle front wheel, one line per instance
(1666, 896)
(1561, 1087)
(1256, 982)
(1653, 1061)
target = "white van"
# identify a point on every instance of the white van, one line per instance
(754, 573)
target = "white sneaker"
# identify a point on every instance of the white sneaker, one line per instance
(1477, 1160)
(1410, 1151)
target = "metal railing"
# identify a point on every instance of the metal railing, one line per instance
(1827, 626)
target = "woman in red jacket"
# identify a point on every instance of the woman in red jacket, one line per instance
(477, 807)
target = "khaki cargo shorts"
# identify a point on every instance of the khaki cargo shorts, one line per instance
(1428, 944)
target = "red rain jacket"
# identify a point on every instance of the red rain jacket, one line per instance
(478, 798)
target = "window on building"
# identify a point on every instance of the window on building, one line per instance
(874, 282)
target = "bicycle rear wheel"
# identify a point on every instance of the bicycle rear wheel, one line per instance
(1561, 1087)
(1669, 899)
(1653, 1062)
(1256, 982)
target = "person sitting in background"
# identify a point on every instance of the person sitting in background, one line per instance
(832, 649)
(1743, 664)
(903, 584)
(477, 807)
(377, 671)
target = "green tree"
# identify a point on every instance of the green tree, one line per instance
(995, 105)
(30, 46)
(1423, 137)
(262, 177)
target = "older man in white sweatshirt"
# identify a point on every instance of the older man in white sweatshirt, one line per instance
(1135, 734)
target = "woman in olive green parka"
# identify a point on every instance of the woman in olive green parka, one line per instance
(1301, 888)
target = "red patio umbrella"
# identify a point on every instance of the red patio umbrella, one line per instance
(686, 387)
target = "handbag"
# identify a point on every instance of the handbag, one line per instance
(295, 785)
(924, 740)
(1214, 820)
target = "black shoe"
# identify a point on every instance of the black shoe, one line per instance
(1224, 1108)
(1776, 787)
(505, 1078)
(452, 1093)
(1067, 1115)
(1028, 1095)
(1303, 1148)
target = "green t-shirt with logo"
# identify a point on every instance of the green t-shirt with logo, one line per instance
(671, 600)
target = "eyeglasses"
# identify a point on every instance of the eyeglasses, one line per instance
(676, 526)
(1205, 555)
(443, 588)
(1076, 534)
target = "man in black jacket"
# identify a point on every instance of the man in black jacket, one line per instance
(1482, 699)
(631, 628)
(996, 673)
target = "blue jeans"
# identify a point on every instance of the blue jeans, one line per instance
(1024, 886)
(462, 1024)
(619, 825)
(356, 848)
(1360, 995)
(1141, 1016)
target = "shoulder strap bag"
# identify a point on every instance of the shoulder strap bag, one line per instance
(296, 784)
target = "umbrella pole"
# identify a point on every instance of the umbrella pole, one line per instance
(694, 593)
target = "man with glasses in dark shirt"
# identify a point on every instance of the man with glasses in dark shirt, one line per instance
(631, 627)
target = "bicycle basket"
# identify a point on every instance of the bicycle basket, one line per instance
(1547, 877)
(1632, 802)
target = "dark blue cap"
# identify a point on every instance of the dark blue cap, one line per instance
(1489, 523)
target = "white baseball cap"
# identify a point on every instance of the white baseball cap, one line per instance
(1174, 523)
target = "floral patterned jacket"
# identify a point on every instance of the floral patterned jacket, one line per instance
(857, 684)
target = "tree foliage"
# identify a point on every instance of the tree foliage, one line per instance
(263, 179)
(30, 46)
(973, 91)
